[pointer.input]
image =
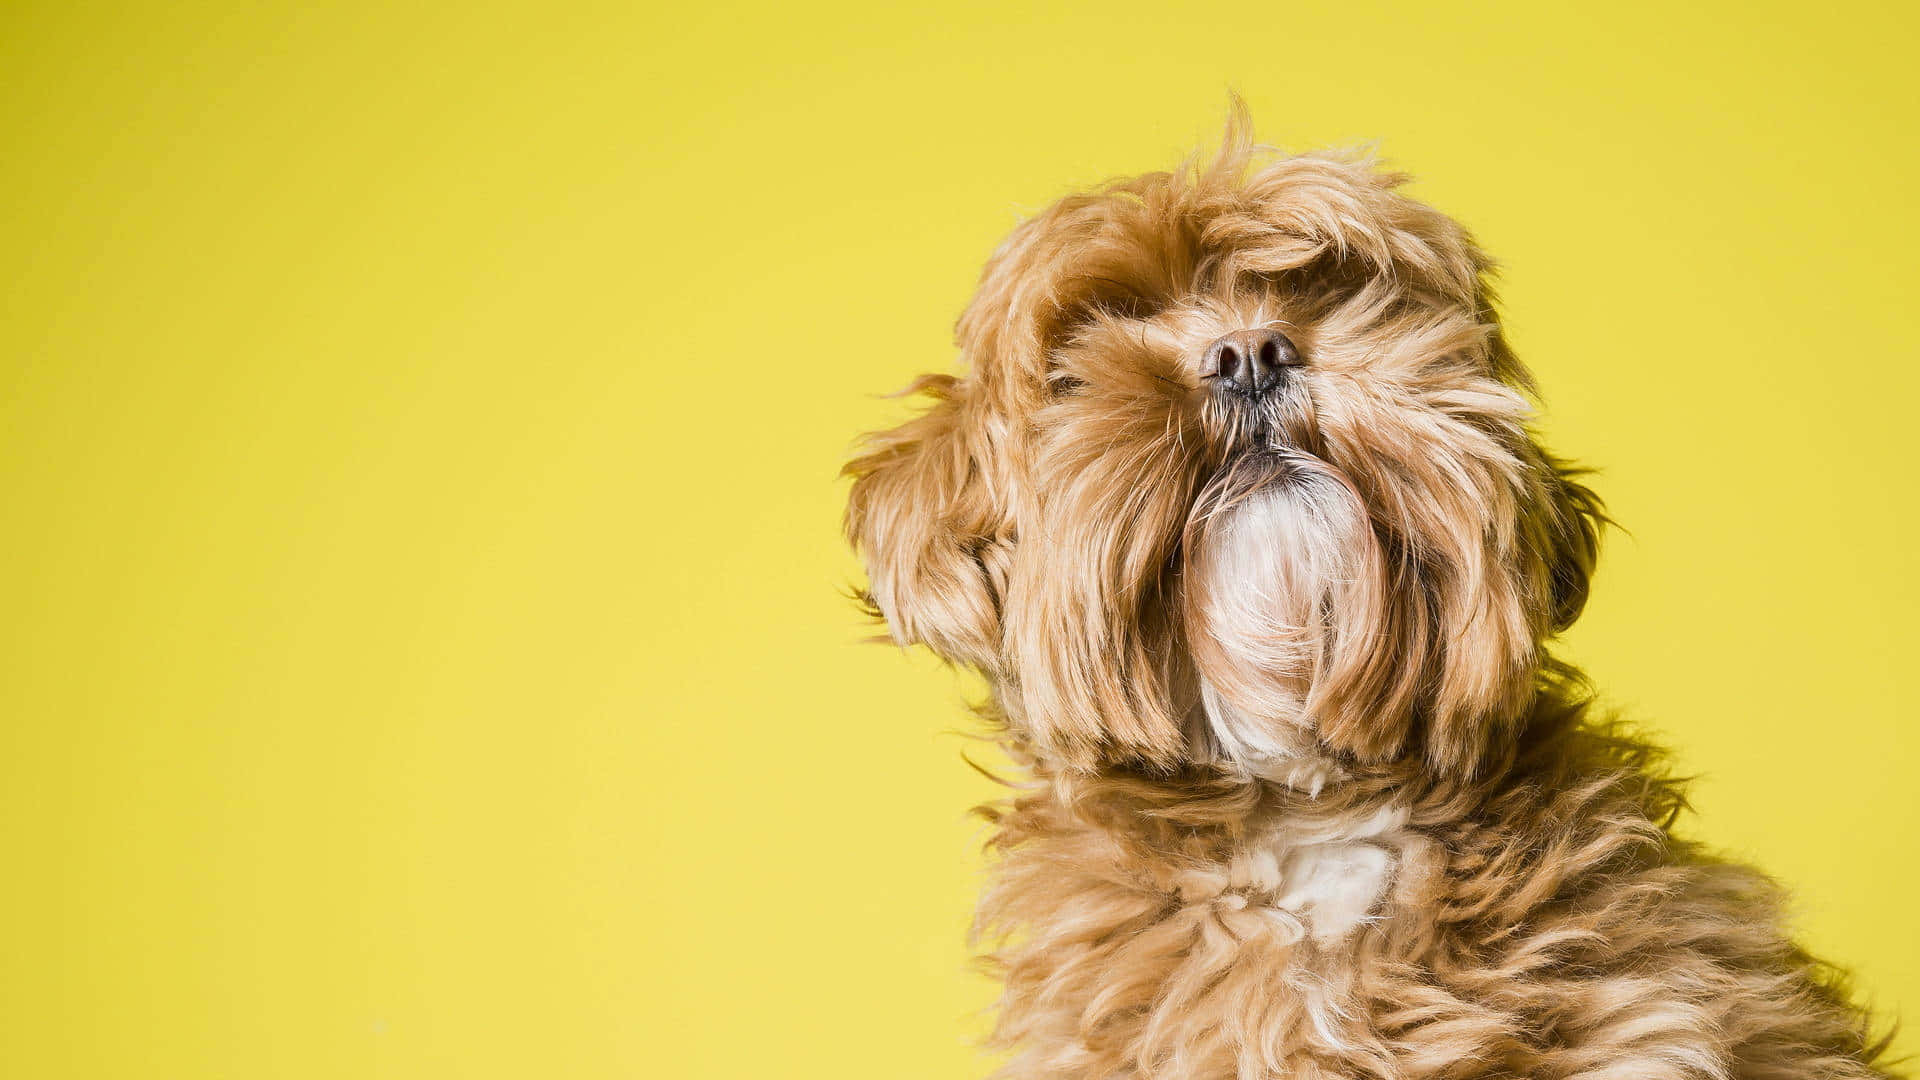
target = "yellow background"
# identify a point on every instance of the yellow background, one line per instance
(418, 427)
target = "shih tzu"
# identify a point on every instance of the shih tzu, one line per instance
(1237, 508)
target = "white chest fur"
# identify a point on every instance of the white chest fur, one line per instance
(1252, 966)
(1331, 875)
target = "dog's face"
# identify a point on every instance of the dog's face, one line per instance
(1239, 472)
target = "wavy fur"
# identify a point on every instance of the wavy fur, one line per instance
(1304, 793)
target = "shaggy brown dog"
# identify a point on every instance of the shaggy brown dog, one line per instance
(1238, 511)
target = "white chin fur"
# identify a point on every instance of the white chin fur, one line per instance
(1267, 572)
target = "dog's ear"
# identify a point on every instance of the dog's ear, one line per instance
(1572, 517)
(921, 516)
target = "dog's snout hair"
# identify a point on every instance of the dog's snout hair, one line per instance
(1237, 504)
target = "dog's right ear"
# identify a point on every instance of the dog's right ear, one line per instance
(921, 517)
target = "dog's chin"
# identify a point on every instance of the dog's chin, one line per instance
(1277, 544)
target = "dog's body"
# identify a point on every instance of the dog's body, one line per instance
(1238, 511)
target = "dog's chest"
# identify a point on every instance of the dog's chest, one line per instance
(1331, 879)
(1258, 952)
(1328, 878)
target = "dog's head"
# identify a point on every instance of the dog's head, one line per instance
(1239, 471)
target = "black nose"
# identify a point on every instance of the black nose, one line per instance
(1251, 361)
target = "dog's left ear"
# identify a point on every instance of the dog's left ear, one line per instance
(921, 516)
(1573, 517)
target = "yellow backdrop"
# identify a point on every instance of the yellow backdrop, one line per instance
(418, 424)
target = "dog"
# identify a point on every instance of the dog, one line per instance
(1237, 507)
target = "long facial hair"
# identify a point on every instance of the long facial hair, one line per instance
(1363, 568)
(1282, 590)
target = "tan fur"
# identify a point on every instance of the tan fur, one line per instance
(1304, 794)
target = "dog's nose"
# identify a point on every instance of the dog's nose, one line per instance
(1251, 361)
